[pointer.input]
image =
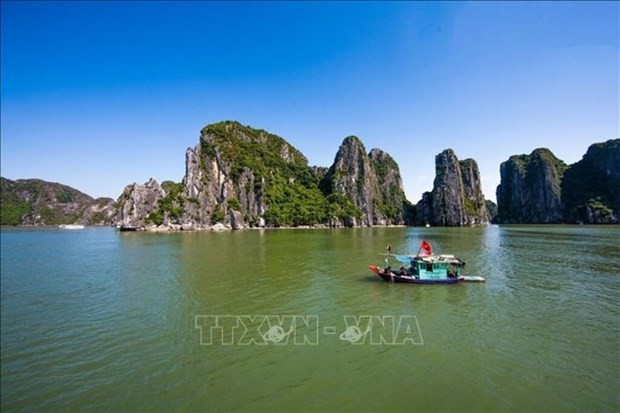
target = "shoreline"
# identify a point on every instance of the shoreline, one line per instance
(224, 228)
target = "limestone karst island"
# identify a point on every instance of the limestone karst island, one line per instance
(241, 177)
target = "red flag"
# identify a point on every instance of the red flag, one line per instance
(425, 249)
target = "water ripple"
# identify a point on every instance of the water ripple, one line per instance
(98, 320)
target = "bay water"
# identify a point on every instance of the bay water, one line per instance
(98, 320)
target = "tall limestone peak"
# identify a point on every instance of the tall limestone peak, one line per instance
(370, 182)
(240, 176)
(591, 187)
(530, 188)
(352, 178)
(456, 198)
(391, 202)
(476, 210)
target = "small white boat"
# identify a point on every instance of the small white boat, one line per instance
(71, 226)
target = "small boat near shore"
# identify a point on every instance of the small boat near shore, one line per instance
(70, 226)
(125, 228)
(424, 268)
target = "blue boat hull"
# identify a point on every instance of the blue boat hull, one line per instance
(412, 280)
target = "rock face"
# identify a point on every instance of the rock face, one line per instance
(213, 178)
(370, 182)
(244, 177)
(492, 208)
(319, 172)
(137, 203)
(37, 202)
(591, 187)
(392, 204)
(239, 177)
(530, 189)
(456, 198)
(102, 211)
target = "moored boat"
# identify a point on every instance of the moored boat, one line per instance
(424, 268)
(125, 228)
(70, 226)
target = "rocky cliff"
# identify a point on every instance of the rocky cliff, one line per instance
(456, 198)
(245, 177)
(492, 208)
(37, 202)
(591, 187)
(371, 182)
(138, 204)
(241, 177)
(392, 204)
(530, 189)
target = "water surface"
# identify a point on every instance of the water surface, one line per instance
(98, 320)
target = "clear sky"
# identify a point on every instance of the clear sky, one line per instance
(98, 95)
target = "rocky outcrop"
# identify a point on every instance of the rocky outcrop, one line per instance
(391, 204)
(456, 198)
(244, 177)
(591, 187)
(240, 177)
(371, 183)
(319, 172)
(492, 209)
(530, 189)
(138, 204)
(37, 202)
(235, 173)
(352, 177)
(102, 211)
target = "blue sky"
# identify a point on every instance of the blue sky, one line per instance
(98, 95)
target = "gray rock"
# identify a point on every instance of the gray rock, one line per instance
(235, 171)
(236, 219)
(210, 185)
(137, 202)
(530, 189)
(219, 227)
(591, 187)
(371, 182)
(456, 198)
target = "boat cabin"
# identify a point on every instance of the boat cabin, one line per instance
(436, 267)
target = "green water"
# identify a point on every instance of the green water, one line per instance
(98, 320)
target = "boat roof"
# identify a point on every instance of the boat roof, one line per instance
(442, 258)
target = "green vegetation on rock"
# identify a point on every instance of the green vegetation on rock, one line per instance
(257, 150)
(530, 189)
(591, 187)
(37, 202)
(170, 206)
(492, 208)
(540, 188)
(341, 208)
(290, 188)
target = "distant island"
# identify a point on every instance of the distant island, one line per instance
(240, 177)
(37, 202)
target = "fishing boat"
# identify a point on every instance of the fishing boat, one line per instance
(424, 268)
(126, 228)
